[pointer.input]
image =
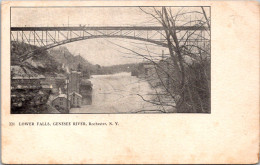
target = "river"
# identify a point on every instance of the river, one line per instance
(119, 93)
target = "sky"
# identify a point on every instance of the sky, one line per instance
(104, 52)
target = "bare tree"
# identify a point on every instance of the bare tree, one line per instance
(181, 81)
(191, 90)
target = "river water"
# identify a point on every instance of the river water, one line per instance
(119, 93)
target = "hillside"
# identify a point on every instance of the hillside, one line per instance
(69, 61)
(41, 63)
(48, 62)
(58, 61)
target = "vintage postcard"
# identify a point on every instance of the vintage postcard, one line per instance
(130, 82)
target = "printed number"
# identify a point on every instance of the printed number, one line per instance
(11, 123)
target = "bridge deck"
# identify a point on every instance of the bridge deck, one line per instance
(83, 28)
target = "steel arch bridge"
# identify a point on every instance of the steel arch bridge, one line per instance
(42, 38)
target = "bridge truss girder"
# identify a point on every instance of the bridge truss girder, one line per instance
(49, 37)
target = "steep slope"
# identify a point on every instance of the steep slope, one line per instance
(41, 63)
(69, 61)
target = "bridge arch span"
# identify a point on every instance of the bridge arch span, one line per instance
(28, 55)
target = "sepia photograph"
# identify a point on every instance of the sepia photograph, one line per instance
(130, 82)
(110, 60)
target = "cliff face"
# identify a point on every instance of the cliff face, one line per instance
(49, 62)
(69, 61)
(42, 63)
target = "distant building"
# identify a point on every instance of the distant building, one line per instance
(134, 72)
(24, 78)
(145, 69)
(81, 86)
(60, 102)
(86, 91)
(75, 99)
(149, 69)
(74, 81)
(85, 74)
